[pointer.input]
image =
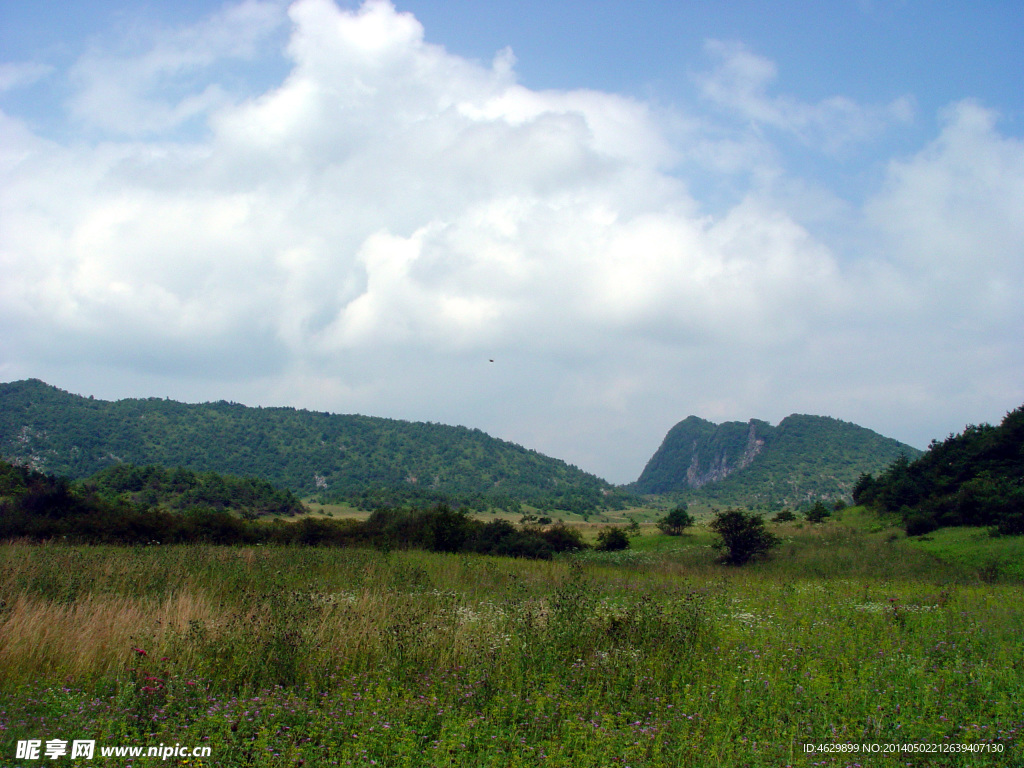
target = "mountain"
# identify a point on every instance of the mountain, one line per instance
(972, 478)
(361, 459)
(753, 463)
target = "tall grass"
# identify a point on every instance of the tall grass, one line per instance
(649, 657)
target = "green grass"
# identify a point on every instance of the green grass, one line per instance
(655, 656)
(975, 550)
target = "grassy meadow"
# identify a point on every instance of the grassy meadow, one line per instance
(654, 656)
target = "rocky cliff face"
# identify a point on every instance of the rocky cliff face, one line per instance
(696, 453)
(719, 463)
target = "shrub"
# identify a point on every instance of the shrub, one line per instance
(562, 538)
(1011, 524)
(918, 524)
(611, 539)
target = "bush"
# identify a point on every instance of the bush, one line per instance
(1011, 525)
(500, 537)
(611, 539)
(918, 524)
(562, 538)
(743, 536)
(784, 516)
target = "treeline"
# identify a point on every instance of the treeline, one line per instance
(41, 507)
(181, 489)
(973, 478)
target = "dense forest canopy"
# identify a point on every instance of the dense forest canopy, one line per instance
(181, 489)
(972, 478)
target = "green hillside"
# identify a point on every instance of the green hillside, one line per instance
(359, 459)
(802, 459)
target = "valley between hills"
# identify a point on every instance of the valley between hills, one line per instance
(365, 461)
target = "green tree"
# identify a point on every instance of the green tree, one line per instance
(818, 513)
(743, 536)
(449, 529)
(865, 490)
(676, 521)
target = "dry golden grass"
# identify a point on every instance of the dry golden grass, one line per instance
(94, 635)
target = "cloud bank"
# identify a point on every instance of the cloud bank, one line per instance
(368, 233)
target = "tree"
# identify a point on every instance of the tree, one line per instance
(743, 536)
(449, 528)
(865, 490)
(818, 512)
(611, 539)
(676, 521)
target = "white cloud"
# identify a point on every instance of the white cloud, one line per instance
(365, 235)
(956, 205)
(130, 93)
(740, 81)
(951, 214)
(20, 74)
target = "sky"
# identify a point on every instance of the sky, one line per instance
(570, 225)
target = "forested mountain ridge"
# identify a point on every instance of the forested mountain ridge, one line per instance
(753, 463)
(363, 459)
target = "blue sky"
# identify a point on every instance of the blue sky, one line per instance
(638, 210)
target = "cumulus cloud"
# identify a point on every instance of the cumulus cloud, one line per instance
(368, 232)
(949, 220)
(953, 205)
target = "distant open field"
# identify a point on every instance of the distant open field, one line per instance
(604, 517)
(851, 637)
